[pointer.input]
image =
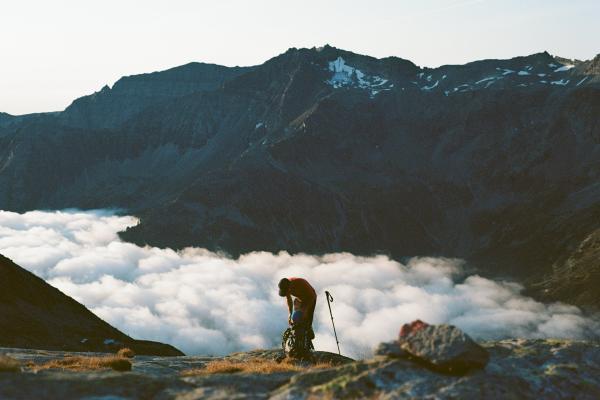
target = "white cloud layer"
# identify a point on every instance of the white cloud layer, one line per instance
(206, 303)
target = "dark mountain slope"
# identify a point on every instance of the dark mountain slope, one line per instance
(372, 179)
(322, 150)
(33, 314)
(5, 119)
(131, 94)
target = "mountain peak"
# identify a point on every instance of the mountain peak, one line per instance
(130, 94)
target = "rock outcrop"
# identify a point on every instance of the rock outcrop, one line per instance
(517, 369)
(441, 348)
(34, 314)
(444, 348)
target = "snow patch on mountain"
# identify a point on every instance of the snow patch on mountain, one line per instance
(461, 87)
(564, 68)
(581, 81)
(342, 73)
(430, 86)
(378, 81)
(485, 79)
(505, 71)
(347, 75)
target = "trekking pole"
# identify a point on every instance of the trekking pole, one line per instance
(329, 301)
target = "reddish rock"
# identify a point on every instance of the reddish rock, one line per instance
(415, 326)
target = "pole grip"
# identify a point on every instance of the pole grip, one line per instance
(329, 296)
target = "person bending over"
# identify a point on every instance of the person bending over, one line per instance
(301, 289)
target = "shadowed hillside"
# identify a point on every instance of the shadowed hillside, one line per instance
(35, 315)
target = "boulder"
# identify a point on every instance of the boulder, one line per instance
(444, 348)
(408, 329)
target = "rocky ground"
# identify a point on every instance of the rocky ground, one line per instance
(517, 369)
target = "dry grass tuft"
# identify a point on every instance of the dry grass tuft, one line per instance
(9, 364)
(79, 363)
(252, 366)
(126, 353)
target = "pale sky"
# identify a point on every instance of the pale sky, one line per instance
(52, 52)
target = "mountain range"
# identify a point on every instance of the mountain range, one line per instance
(324, 150)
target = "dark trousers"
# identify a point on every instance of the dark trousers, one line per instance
(311, 313)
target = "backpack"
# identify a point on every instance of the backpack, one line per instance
(296, 342)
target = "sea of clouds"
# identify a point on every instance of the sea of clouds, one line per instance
(208, 303)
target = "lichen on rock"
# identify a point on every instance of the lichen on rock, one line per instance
(516, 369)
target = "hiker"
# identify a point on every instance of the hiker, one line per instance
(301, 289)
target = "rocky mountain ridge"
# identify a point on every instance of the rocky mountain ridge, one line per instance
(322, 150)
